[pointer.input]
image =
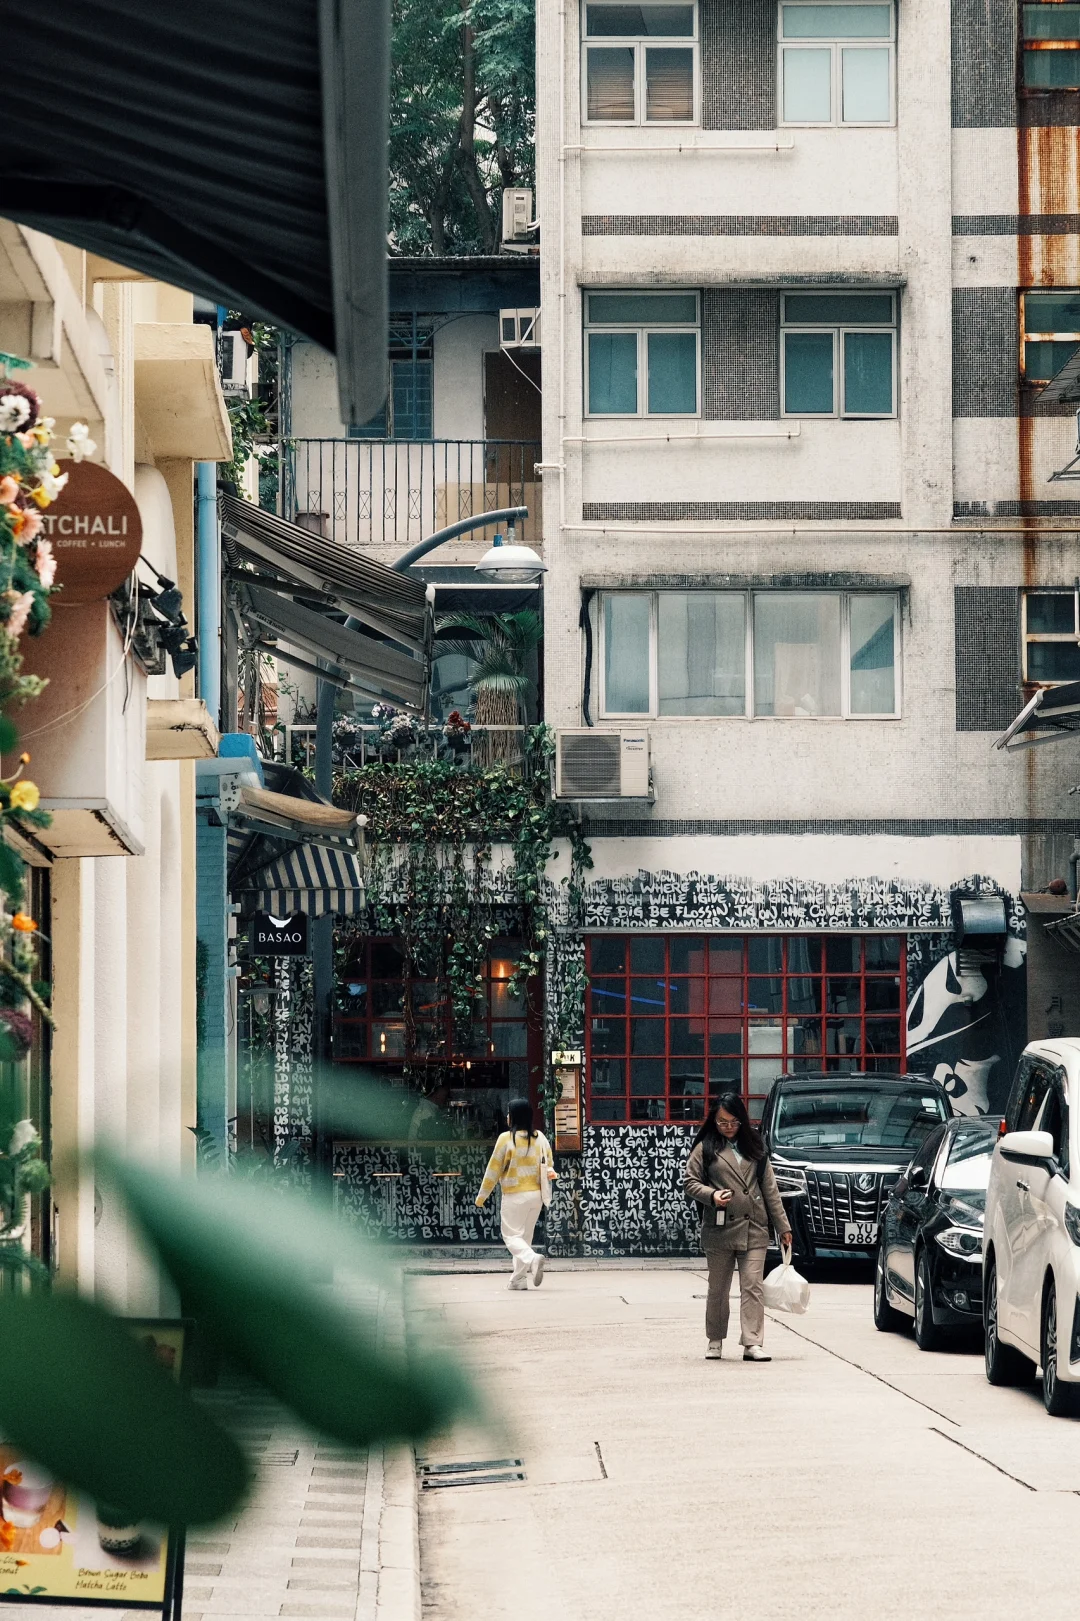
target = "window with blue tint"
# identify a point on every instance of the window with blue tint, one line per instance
(868, 374)
(627, 665)
(872, 639)
(672, 371)
(613, 362)
(411, 393)
(1051, 636)
(853, 346)
(659, 345)
(808, 374)
(828, 75)
(1051, 53)
(1050, 333)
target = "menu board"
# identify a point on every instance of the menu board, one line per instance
(58, 1546)
(567, 1067)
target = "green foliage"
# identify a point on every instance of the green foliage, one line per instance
(462, 120)
(87, 1402)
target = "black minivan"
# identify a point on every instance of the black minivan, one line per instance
(838, 1143)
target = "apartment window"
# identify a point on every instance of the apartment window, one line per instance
(792, 654)
(676, 1019)
(645, 71)
(409, 409)
(1049, 332)
(1050, 58)
(1051, 621)
(641, 354)
(836, 63)
(838, 354)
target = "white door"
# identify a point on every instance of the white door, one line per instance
(1041, 1190)
(1017, 1215)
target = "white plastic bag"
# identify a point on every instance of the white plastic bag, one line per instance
(785, 1289)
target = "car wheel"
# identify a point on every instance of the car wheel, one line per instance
(928, 1336)
(1059, 1399)
(1004, 1364)
(886, 1316)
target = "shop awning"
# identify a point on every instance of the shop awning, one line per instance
(306, 879)
(277, 815)
(1064, 386)
(237, 150)
(287, 584)
(1066, 931)
(1053, 713)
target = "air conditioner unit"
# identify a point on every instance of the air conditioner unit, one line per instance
(595, 764)
(519, 329)
(233, 365)
(517, 214)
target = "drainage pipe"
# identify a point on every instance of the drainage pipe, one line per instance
(209, 589)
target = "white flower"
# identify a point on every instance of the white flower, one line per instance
(14, 412)
(24, 1134)
(20, 612)
(51, 483)
(79, 442)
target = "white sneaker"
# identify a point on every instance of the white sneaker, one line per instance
(714, 1350)
(518, 1284)
(536, 1271)
(754, 1353)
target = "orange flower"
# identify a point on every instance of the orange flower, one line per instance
(13, 1476)
(24, 924)
(7, 1536)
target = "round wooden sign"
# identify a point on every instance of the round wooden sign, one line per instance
(96, 533)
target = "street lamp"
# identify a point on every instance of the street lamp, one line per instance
(506, 561)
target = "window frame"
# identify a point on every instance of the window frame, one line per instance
(1040, 636)
(837, 46)
(674, 1019)
(1031, 46)
(840, 331)
(1039, 334)
(653, 713)
(642, 332)
(638, 43)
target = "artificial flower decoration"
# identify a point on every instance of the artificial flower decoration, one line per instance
(30, 479)
(79, 442)
(23, 923)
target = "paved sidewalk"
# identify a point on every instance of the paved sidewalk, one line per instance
(853, 1477)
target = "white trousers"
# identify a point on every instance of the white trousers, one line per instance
(518, 1219)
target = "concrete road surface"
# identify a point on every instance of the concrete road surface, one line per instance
(852, 1477)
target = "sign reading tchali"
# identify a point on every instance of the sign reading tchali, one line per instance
(96, 533)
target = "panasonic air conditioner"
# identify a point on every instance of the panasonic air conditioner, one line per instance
(517, 214)
(591, 763)
(519, 329)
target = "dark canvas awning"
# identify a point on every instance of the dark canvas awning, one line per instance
(287, 584)
(1053, 713)
(290, 850)
(236, 149)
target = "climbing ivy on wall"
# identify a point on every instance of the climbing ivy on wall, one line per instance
(431, 884)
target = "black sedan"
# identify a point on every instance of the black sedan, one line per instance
(929, 1261)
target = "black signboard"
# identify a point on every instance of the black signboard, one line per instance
(279, 936)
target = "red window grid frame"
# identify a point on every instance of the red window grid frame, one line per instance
(721, 1003)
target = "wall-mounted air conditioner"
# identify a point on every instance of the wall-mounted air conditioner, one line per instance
(233, 365)
(519, 329)
(517, 214)
(591, 763)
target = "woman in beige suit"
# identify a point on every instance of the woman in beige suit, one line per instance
(729, 1175)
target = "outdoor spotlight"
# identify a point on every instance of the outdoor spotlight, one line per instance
(185, 658)
(171, 603)
(511, 563)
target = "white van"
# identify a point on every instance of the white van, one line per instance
(1031, 1236)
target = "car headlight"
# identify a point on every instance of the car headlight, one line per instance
(1072, 1222)
(792, 1181)
(962, 1213)
(963, 1241)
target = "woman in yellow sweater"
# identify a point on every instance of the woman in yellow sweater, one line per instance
(521, 1165)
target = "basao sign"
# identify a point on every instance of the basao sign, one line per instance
(96, 533)
(279, 936)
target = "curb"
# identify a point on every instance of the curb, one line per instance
(390, 1539)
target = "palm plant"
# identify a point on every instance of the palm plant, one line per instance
(498, 646)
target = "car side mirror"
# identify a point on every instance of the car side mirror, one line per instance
(900, 1187)
(916, 1177)
(1027, 1145)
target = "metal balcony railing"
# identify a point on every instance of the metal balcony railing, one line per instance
(374, 493)
(486, 746)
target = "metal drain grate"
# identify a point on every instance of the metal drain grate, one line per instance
(279, 1459)
(489, 1472)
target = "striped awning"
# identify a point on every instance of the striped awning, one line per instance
(307, 879)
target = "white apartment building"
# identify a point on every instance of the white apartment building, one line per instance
(806, 268)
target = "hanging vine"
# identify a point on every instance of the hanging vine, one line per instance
(431, 883)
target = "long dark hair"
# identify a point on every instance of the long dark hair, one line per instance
(521, 1119)
(748, 1139)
